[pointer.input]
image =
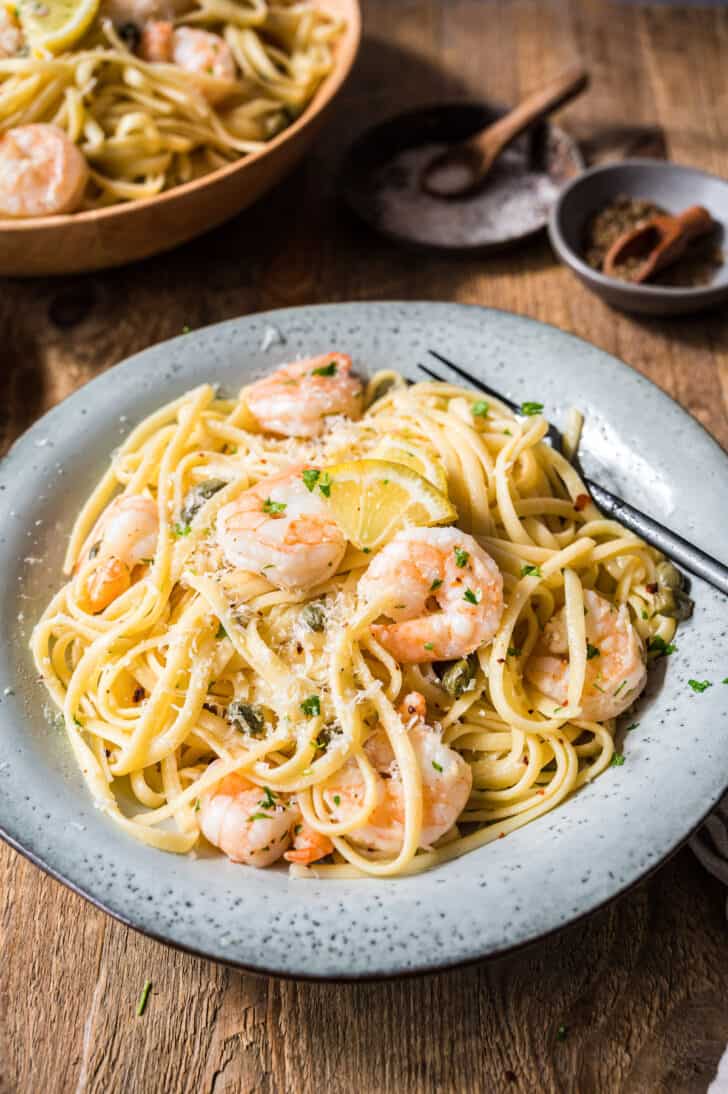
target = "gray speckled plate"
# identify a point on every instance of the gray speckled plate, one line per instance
(559, 867)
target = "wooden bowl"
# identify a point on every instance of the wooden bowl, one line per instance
(99, 238)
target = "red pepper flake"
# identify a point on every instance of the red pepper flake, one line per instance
(580, 502)
(139, 694)
(501, 660)
(501, 835)
(652, 588)
(542, 792)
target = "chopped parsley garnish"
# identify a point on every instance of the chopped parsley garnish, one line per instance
(514, 651)
(268, 800)
(258, 816)
(530, 409)
(622, 685)
(310, 477)
(617, 759)
(507, 432)
(143, 998)
(325, 370)
(599, 688)
(657, 644)
(591, 651)
(197, 806)
(221, 632)
(473, 597)
(337, 799)
(437, 766)
(325, 485)
(633, 726)
(429, 646)
(530, 571)
(186, 329)
(480, 409)
(561, 1033)
(725, 680)
(179, 530)
(275, 508)
(435, 584)
(699, 685)
(311, 706)
(461, 557)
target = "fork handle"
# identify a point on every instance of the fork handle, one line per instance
(686, 554)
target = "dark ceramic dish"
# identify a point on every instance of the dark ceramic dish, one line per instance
(669, 185)
(379, 180)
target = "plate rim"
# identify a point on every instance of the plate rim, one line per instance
(426, 968)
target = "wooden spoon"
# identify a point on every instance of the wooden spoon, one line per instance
(658, 242)
(462, 168)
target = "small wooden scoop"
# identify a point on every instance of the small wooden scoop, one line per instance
(462, 168)
(657, 243)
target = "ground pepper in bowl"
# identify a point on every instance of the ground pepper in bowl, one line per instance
(696, 267)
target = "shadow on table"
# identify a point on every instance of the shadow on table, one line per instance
(631, 999)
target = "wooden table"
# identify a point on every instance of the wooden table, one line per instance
(641, 987)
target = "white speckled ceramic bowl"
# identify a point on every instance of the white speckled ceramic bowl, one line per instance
(560, 867)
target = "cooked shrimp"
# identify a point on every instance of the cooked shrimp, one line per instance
(206, 56)
(429, 568)
(11, 36)
(124, 536)
(42, 172)
(296, 399)
(446, 784)
(249, 824)
(282, 530)
(308, 846)
(615, 674)
(156, 40)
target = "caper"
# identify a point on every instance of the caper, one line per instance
(669, 576)
(314, 616)
(197, 496)
(458, 678)
(130, 35)
(246, 718)
(682, 607)
(664, 602)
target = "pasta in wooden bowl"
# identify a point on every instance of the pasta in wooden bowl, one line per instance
(166, 118)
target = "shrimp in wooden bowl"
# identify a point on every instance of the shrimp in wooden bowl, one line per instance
(205, 56)
(42, 172)
(296, 399)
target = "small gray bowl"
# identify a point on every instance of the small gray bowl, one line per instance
(670, 185)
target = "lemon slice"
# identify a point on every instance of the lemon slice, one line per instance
(420, 457)
(373, 499)
(53, 25)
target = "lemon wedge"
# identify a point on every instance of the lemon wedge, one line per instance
(420, 457)
(53, 25)
(373, 499)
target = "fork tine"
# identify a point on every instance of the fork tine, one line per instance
(430, 373)
(471, 379)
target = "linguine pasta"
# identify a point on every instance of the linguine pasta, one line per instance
(148, 684)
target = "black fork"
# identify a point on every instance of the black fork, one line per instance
(683, 552)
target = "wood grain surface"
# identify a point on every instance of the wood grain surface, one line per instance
(642, 986)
